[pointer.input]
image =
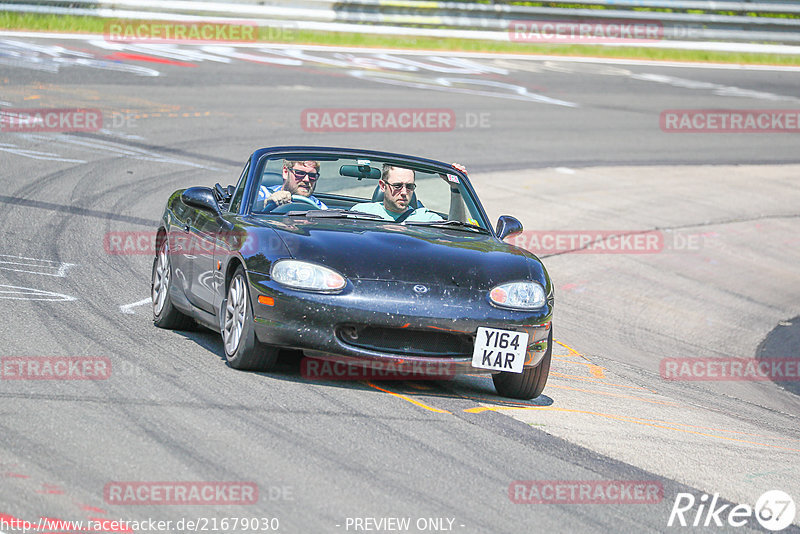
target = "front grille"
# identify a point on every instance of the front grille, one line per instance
(437, 343)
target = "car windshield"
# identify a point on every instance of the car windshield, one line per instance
(350, 187)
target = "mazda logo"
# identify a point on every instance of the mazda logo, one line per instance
(419, 288)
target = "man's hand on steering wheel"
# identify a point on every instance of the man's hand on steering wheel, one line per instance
(280, 197)
(272, 205)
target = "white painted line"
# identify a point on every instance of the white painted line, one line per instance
(119, 149)
(35, 154)
(476, 55)
(44, 267)
(128, 308)
(324, 19)
(717, 89)
(565, 170)
(29, 293)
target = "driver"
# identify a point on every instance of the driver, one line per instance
(299, 178)
(397, 185)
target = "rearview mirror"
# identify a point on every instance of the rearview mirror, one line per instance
(360, 171)
(507, 226)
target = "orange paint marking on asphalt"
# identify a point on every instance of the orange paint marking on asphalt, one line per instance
(596, 370)
(570, 349)
(469, 397)
(409, 399)
(639, 421)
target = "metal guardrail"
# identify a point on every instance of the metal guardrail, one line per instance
(690, 20)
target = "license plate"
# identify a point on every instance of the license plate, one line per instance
(500, 350)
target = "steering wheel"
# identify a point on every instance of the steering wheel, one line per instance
(295, 198)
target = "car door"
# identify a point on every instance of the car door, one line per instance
(203, 231)
(178, 239)
(228, 236)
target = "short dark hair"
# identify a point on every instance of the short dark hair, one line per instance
(387, 167)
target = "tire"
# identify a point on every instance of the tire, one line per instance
(242, 349)
(528, 384)
(165, 315)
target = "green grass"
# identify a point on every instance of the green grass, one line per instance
(82, 24)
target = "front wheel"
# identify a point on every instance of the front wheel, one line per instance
(242, 349)
(528, 384)
(165, 315)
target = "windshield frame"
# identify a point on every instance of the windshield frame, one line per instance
(264, 155)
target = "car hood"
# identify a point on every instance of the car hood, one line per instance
(371, 250)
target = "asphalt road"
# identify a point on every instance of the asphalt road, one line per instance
(563, 145)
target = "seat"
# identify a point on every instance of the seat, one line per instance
(377, 196)
(268, 179)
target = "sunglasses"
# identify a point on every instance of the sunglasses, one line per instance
(397, 187)
(312, 176)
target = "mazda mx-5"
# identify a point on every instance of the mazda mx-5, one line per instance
(357, 256)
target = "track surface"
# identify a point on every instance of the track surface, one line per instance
(562, 145)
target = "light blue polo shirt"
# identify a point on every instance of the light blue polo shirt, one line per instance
(377, 208)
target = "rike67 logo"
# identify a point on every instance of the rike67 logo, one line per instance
(774, 510)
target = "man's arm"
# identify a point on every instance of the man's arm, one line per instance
(458, 210)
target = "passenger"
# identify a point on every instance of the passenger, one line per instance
(397, 185)
(299, 178)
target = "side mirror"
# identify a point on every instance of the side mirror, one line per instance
(507, 226)
(201, 198)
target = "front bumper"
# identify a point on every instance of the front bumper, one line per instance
(403, 326)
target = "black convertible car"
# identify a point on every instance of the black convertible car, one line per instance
(355, 256)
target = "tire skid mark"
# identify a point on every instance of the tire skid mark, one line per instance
(667, 425)
(600, 381)
(618, 395)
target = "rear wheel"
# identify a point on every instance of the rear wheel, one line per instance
(528, 384)
(165, 315)
(242, 349)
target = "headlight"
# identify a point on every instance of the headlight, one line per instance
(519, 295)
(305, 275)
